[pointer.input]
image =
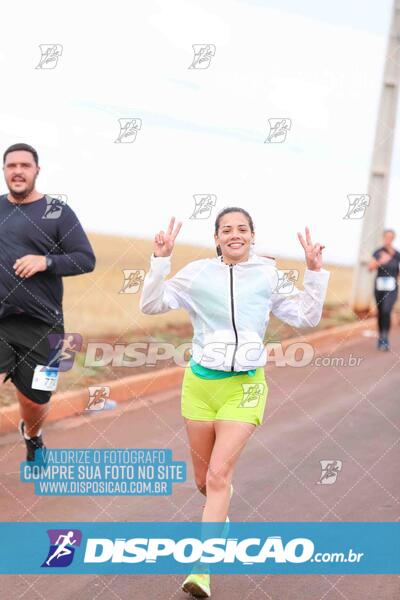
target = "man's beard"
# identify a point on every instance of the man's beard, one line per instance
(23, 194)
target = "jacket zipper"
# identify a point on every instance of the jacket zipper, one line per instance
(233, 317)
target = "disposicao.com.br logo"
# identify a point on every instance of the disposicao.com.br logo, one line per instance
(191, 550)
(217, 550)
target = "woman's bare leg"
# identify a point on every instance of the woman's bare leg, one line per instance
(201, 435)
(230, 439)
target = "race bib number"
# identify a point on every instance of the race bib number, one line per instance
(385, 284)
(45, 378)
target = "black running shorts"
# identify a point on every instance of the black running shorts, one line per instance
(23, 346)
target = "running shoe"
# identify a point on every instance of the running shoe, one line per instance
(32, 444)
(383, 344)
(198, 585)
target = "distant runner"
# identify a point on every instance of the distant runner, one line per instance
(387, 262)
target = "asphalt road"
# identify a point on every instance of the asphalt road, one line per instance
(314, 413)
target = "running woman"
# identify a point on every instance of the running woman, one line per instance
(37, 248)
(224, 390)
(386, 260)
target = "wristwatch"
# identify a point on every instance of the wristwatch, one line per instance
(49, 262)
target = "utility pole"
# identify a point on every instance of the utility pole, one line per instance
(374, 217)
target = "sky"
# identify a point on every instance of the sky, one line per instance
(202, 131)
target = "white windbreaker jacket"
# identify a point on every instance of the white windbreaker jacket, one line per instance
(229, 305)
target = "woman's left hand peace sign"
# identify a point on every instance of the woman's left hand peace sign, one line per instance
(312, 251)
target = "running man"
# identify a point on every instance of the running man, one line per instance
(387, 262)
(62, 549)
(35, 253)
(224, 390)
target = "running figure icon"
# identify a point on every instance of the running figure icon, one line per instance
(62, 549)
(66, 349)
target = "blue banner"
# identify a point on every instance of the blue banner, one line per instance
(165, 547)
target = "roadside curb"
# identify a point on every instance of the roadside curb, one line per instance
(67, 404)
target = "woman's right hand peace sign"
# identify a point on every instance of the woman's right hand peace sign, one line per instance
(164, 242)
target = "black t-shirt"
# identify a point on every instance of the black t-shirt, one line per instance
(391, 268)
(48, 229)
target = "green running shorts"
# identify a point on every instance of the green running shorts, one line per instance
(240, 398)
